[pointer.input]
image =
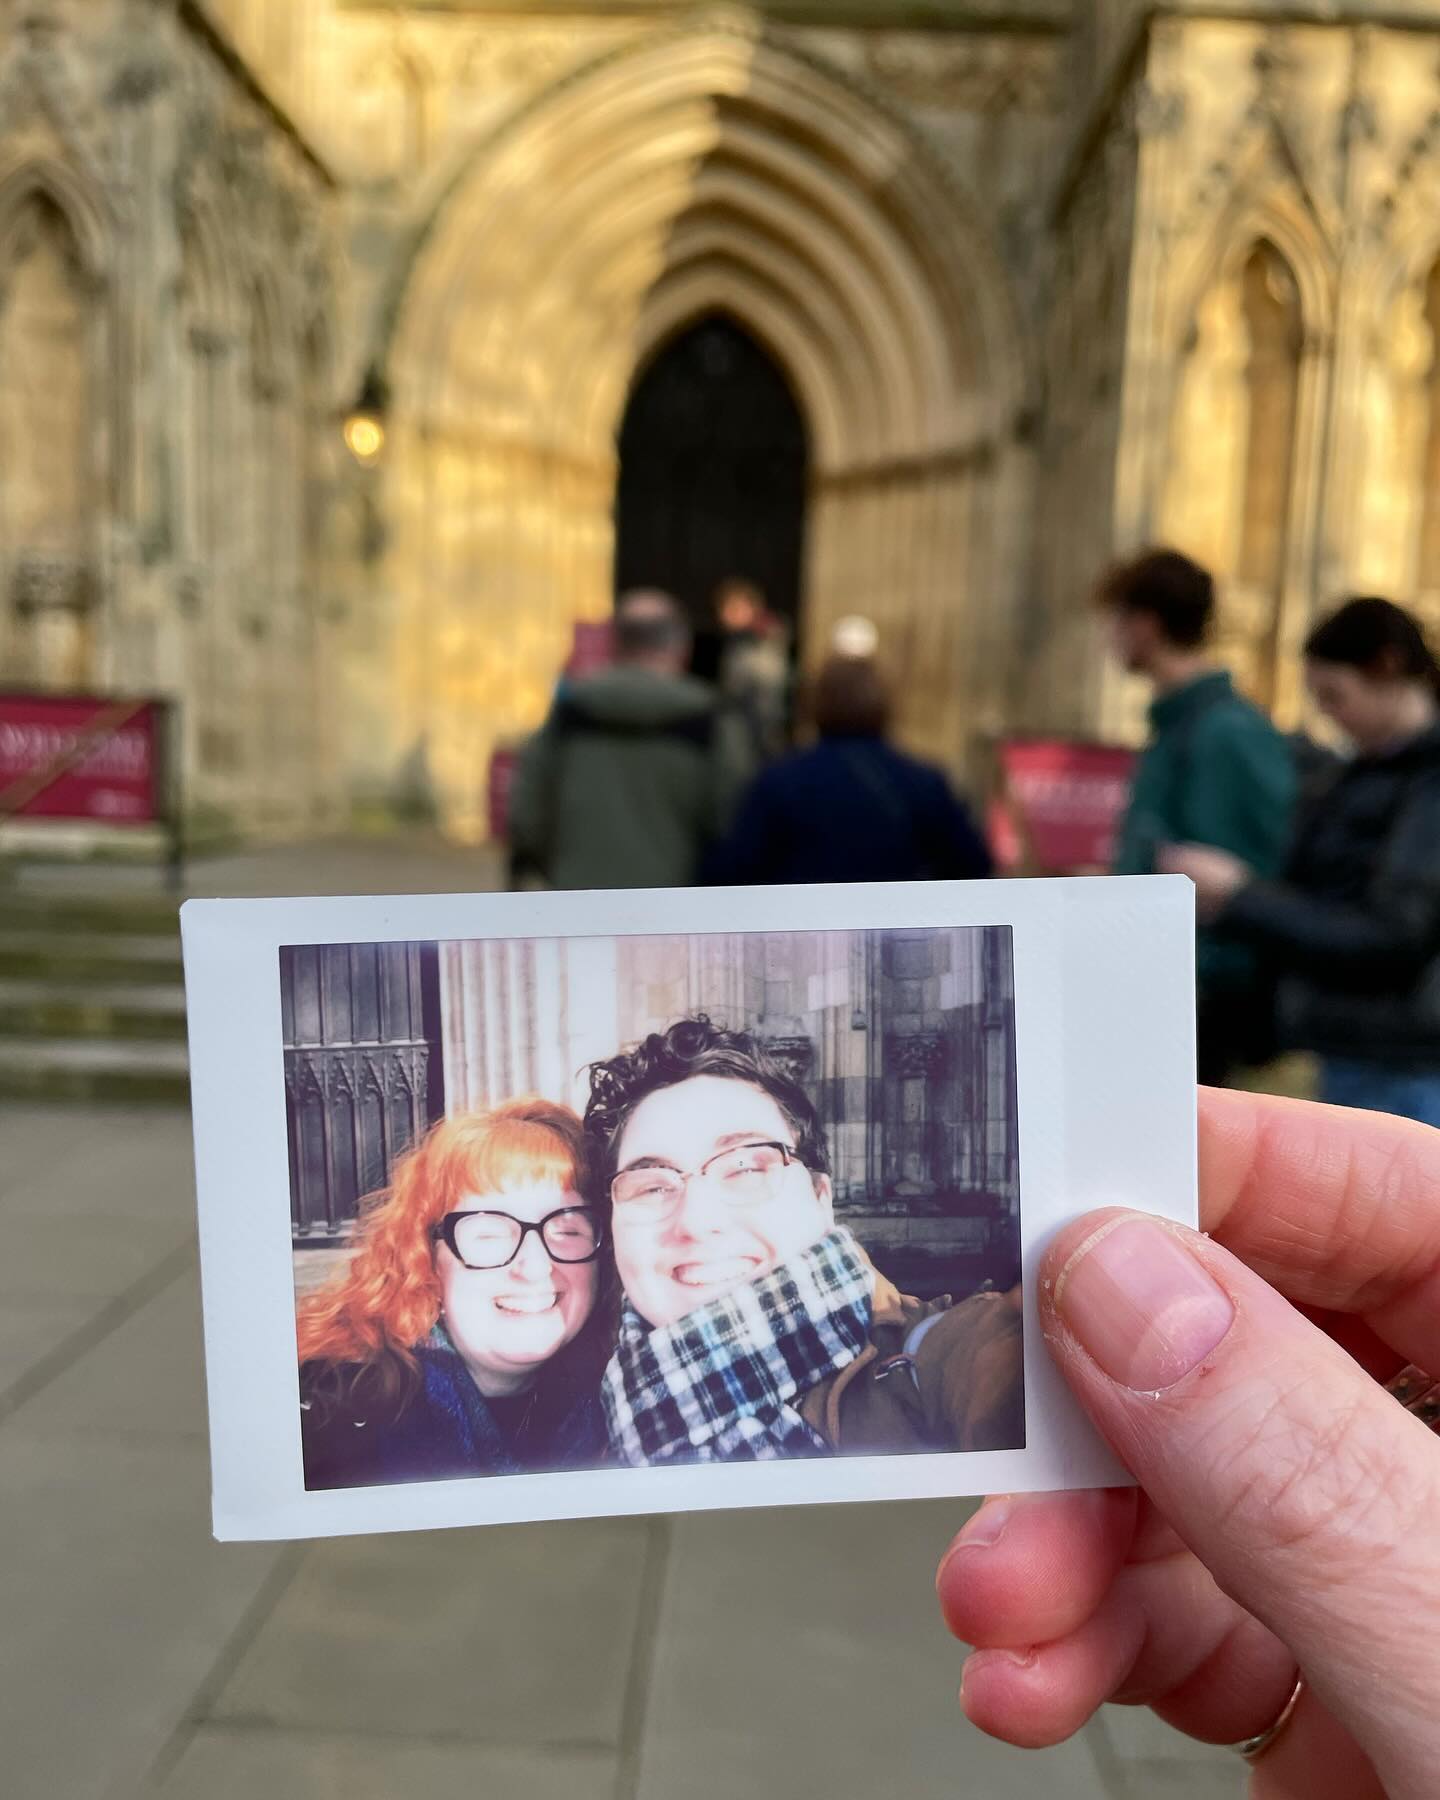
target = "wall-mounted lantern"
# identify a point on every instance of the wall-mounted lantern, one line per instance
(365, 422)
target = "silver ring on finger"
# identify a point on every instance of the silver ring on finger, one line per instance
(1255, 1747)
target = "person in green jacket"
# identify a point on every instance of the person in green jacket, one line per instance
(1216, 771)
(637, 769)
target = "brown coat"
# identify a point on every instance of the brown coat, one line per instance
(960, 1387)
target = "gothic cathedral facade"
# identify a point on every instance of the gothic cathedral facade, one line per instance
(1045, 279)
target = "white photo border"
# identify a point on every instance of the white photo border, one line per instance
(1104, 1032)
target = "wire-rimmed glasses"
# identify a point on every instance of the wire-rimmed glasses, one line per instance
(744, 1175)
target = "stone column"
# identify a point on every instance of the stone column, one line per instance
(525, 1016)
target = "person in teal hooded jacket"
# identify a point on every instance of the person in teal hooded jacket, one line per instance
(1216, 771)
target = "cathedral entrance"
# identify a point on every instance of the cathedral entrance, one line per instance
(714, 461)
(830, 382)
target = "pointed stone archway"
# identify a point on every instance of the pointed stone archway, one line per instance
(706, 169)
(56, 441)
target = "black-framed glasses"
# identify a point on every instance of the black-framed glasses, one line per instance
(490, 1240)
(744, 1176)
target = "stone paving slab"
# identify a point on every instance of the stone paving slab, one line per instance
(91, 1255)
(114, 1604)
(229, 1765)
(63, 1162)
(37, 1140)
(30, 1330)
(148, 1383)
(513, 1636)
(801, 1652)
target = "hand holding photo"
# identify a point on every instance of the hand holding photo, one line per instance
(611, 1203)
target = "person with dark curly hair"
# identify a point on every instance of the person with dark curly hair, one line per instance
(754, 1326)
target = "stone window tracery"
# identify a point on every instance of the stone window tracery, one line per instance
(1231, 476)
(48, 490)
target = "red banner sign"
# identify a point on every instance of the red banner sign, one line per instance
(591, 648)
(81, 756)
(503, 764)
(1062, 803)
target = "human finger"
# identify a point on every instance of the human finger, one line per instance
(1334, 1207)
(1298, 1481)
(1165, 1636)
(1315, 1758)
(1031, 1567)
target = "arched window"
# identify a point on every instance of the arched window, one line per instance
(48, 502)
(1271, 303)
(1230, 478)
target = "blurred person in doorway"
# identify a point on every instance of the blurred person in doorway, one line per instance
(637, 769)
(1216, 772)
(1351, 931)
(754, 673)
(851, 807)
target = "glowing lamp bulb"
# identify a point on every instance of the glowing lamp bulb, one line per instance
(364, 437)
(854, 636)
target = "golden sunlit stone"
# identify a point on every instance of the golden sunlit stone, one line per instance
(1044, 283)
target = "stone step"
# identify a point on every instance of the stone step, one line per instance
(23, 910)
(91, 1010)
(130, 958)
(79, 1069)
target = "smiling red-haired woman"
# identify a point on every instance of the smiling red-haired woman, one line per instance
(467, 1333)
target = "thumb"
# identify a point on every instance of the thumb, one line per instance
(1305, 1488)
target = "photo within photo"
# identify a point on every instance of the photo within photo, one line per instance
(603, 1202)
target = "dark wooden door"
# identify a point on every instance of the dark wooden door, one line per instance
(362, 1072)
(713, 473)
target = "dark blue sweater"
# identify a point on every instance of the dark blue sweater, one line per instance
(443, 1430)
(850, 809)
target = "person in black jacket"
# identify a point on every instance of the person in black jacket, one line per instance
(851, 807)
(1352, 930)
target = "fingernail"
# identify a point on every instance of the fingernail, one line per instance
(1141, 1304)
(981, 1531)
(984, 1659)
(985, 1528)
(978, 1534)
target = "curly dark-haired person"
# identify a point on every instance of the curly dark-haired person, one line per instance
(754, 1326)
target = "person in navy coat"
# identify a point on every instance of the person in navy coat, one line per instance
(851, 807)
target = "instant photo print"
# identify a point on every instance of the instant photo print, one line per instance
(527, 1206)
